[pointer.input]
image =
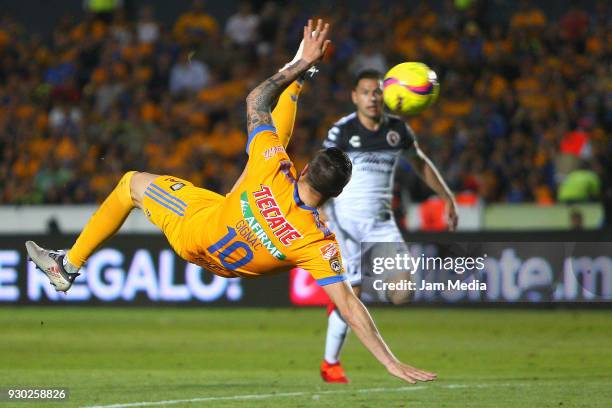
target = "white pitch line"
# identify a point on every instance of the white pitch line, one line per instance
(257, 396)
(294, 394)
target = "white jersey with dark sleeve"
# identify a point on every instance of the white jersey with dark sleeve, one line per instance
(374, 155)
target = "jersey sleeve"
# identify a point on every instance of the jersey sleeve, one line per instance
(265, 149)
(409, 137)
(334, 138)
(261, 138)
(324, 262)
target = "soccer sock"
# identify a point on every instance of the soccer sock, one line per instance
(336, 333)
(284, 113)
(103, 223)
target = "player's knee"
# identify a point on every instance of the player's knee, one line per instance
(139, 182)
(127, 177)
(399, 297)
(124, 188)
(124, 183)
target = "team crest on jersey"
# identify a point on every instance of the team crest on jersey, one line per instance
(335, 264)
(393, 138)
(328, 251)
(355, 141)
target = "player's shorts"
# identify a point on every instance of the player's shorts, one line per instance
(171, 203)
(351, 234)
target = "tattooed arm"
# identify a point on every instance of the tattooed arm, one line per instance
(259, 101)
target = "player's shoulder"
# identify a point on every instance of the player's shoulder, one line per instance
(337, 134)
(264, 147)
(322, 259)
(397, 124)
(322, 246)
(393, 119)
(346, 120)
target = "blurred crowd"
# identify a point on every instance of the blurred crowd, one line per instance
(525, 103)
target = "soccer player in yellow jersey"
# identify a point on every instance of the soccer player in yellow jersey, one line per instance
(268, 223)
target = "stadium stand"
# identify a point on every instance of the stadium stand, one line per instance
(526, 99)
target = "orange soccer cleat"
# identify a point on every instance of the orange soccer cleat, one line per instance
(333, 373)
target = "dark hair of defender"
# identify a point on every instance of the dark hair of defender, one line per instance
(367, 74)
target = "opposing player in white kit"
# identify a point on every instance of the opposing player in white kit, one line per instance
(373, 141)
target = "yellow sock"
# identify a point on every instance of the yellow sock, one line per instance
(283, 114)
(104, 222)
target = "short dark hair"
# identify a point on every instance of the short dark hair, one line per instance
(328, 172)
(367, 74)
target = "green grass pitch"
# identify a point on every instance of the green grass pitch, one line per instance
(269, 358)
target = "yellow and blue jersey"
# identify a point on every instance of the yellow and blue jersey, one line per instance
(260, 228)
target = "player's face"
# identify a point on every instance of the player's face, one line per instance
(368, 97)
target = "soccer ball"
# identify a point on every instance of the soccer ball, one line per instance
(410, 87)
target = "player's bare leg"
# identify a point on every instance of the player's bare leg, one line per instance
(62, 268)
(337, 330)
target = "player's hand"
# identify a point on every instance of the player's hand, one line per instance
(452, 218)
(409, 374)
(315, 41)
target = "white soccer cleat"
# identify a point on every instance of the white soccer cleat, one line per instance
(51, 263)
(298, 55)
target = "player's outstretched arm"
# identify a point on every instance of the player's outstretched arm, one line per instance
(428, 172)
(260, 99)
(358, 318)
